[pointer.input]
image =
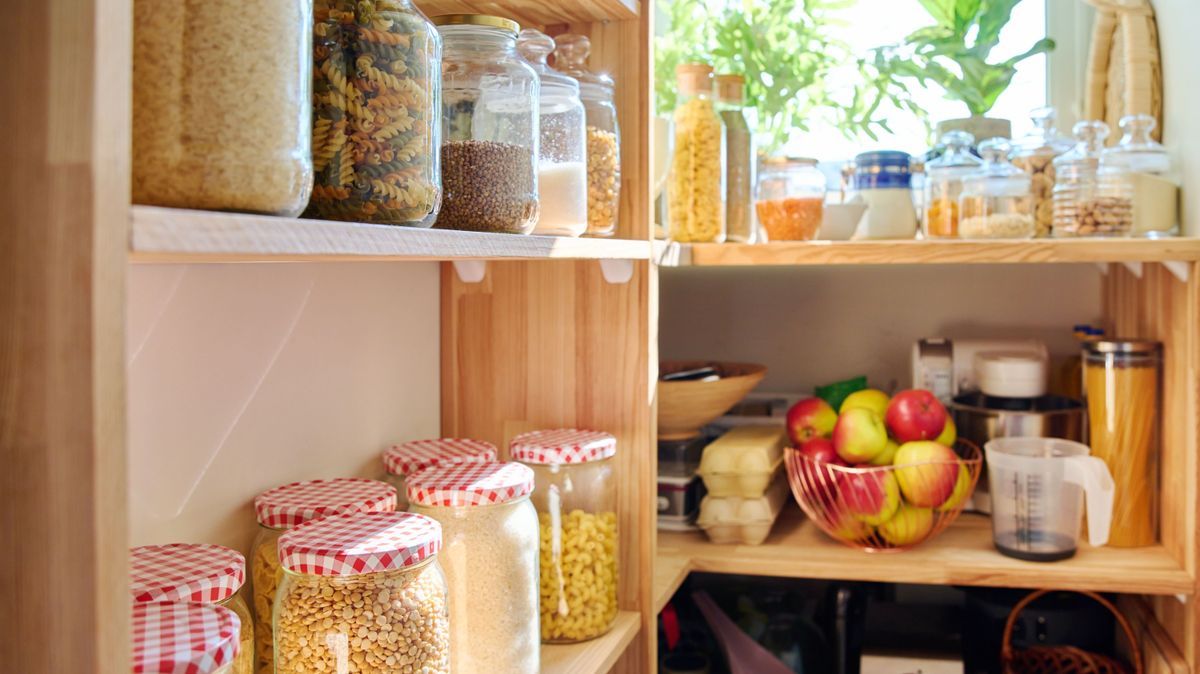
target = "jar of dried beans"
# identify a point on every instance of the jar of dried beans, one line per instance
(288, 506)
(1090, 199)
(576, 497)
(490, 557)
(413, 456)
(943, 184)
(366, 589)
(1034, 154)
(695, 205)
(183, 637)
(790, 199)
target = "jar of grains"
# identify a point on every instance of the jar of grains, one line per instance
(695, 211)
(489, 127)
(996, 202)
(291, 505)
(376, 113)
(943, 184)
(603, 134)
(183, 637)
(790, 198)
(410, 457)
(575, 496)
(739, 158)
(490, 557)
(1090, 199)
(1034, 154)
(366, 589)
(199, 573)
(562, 145)
(221, 105)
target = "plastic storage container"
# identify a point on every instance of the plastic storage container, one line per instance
(183, 637)
(576, 499)
(221, 105)
(410, 457)
(790, 198)
(748, 521)
(288, 506)
(943, 184)
(739, 159)
(1090, 200)
(679, 498)
(1034, 154)
(489, 127)
(1137, 150)
(744, 461)
(996, 201)
(884, 181)
(490, 557)
(695, 207)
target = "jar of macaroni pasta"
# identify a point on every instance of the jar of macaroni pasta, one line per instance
(172, 636)
(490, 557)
(413, 456)
(576, 498)
(364, 588)
(199, 573)
(288, 506)
(695, 199)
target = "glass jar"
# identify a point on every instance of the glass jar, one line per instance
(171, 636)
(943, 184)
(364, 588)
(489, 127)
(376, 113)
(790, 199)
(575, 495)
(288, 506)
(221, 105)
(490, 556)
(562, 149)
(739, 159)
(1090, 200)
(1138, 151)
(603, 132)
(996, 202)
(883, 179)
(411, 457)
(695, 212)
(1034, 154)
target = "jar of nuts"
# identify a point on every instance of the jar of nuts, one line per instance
(366, 589)
(173, 636)
(288, 506)
(943, 184)
(1090, 199)
(576, 497)
(1034, 154)
(414, 456)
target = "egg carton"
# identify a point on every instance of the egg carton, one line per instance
(747, 521)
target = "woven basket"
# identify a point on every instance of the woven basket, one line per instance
(1124, 75)
(1065, 659)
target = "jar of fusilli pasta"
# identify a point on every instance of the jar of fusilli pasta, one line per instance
(376, 124)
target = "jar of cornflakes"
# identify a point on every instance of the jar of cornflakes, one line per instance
(173, 636)
(407, 458)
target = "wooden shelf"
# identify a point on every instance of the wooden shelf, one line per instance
(176, 235)
(596, 656)
(537, 12)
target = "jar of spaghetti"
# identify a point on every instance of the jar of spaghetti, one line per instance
(1122, 380)
(413, 456)
(173, 636)
(790, 198)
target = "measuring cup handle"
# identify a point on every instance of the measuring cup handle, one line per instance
(1092, 474)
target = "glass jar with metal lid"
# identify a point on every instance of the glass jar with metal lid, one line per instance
(996, 202)
(413, 456)
(1034, 154)
(173, 636)
(883, 179)
(1090, 199)
(943, 184)
(489, 127)
(790, 198)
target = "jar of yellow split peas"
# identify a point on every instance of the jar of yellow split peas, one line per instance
(575, 494)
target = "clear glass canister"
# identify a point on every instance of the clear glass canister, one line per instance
(996, 202)
(400, 461)
(603, 132)
(695, 211)
(169, 636)
(221, 105)
(1137, 150)
(1034, 154)
(490, 557)
(943, 184)
(489, 127)
(1091, 200)
(739, 159)
(575, 495)
(790, 198)
(279, 510)
(376, 113)
(364, 588)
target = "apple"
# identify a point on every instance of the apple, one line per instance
(915, 414)
(819, 481)
(872, 399)
(810, 418)
(949, 433)
(870, 495)
(859, 435)
(888, 454)
(960, 493)
(847, 527)
(908, 526)
(926, 472)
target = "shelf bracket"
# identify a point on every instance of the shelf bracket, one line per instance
(1103, 267)
(1134, 268)
(617, 272)
(1178, 268)
(470, 271)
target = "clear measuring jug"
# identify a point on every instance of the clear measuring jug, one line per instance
(1039, 486)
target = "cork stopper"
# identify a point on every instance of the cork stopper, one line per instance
(730, 88)
(693, 78)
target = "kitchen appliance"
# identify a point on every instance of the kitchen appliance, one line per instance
(947, 367)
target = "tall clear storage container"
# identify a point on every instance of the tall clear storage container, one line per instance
(1137, 150)
(943, 184)
(695, 199)
(739, 159)
(1090, 199)
(996, 201)
(183, 637)
(1034, 154)
(376, 113)
(489, 127)
(414, 456)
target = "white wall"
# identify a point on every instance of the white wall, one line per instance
(1178, 28)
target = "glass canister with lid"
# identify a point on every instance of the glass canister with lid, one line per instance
(490, 557)
(996, 202)
(363, 588)
(576, 499)
(943, 184)
(1137, 150)
(288, 506)
(790, 199)
(883, 179)
(413, 456)
(1090, 199)
(603, 132)
(695, 207)
(1034, 154)
(172, 636)
(489, 127)
(739, 159)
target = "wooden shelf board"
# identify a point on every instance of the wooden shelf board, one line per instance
(596, 656)
(537, 12)
(961, 555)
(177, 235)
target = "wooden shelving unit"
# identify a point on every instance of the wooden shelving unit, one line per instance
(596, 656)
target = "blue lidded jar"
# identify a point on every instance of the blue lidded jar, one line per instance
(883, 179)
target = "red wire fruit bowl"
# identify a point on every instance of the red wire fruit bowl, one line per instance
(884, 508)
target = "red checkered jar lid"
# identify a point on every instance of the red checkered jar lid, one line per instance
(410, 457)
(360, 543)
(470, 484)
(181, 638)
(296, 503)
(563, 445)
(197, 572)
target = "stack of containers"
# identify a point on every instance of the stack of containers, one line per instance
(411, 457)
(747, 486)
(181, 637)
(680, 489)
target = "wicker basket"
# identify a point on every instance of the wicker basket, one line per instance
(1124, 75)
(1065, 659)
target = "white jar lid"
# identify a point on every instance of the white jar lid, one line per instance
(1010, 375)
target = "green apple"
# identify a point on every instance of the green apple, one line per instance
(961, 491)
(870, 398)
(859, 435)
(949, 433)
(908, 526)
(888, 454)
(927, 472)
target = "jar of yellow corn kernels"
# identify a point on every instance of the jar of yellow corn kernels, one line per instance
(408, 458)
(576, 499)
(291, 505)
(362, 592)
(173, 636)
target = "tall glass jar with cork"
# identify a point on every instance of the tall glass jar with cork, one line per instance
(695, 199)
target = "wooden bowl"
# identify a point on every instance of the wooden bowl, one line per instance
(686, 406)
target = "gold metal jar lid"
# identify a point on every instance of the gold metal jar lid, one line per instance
(477, 20)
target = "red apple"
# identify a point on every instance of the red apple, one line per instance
(949, 434)
(870, 495)
(870, 398)
(888, 454)
(908, 526)
(926, 472)
(819, 481)
(859, 435)
(915, 414)
(810, 418)
(961, 491)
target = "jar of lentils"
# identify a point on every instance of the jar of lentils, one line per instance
(288, 506)
(490, 557)
(362, 592)
(183, 637)
(413, 456)
(575, 495)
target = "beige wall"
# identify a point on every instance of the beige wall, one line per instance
(1178, 28)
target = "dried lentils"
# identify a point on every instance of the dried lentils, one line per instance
(489, 187)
